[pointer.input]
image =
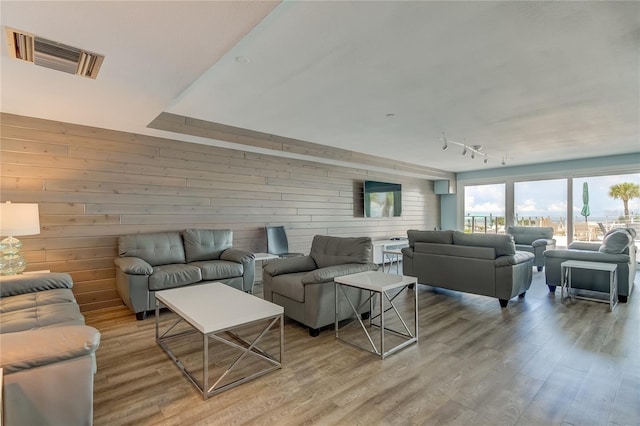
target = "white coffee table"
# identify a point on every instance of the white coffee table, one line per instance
(379, 284)
(214, 310)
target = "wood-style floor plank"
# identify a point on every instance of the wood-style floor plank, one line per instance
(537, 362)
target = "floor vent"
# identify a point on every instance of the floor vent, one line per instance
(53, 55)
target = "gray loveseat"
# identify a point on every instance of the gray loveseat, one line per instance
(617, 247)
(162, 260)
(534, 239)
(304, 285)
(485, 264)
(47, 353)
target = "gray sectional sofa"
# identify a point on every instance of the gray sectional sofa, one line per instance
(485, 264)
(47, 353)
(617, 247)
(162, 260)
(304, 285)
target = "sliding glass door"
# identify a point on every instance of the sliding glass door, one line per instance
(542, 203)
(484, 208)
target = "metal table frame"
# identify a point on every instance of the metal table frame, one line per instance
(403, 283)
(234, 340)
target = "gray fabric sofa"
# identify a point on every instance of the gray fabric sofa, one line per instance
(534, 239)
(162, 260)
(617, 247)
(485, 264)
(304, 285)
(47, 353)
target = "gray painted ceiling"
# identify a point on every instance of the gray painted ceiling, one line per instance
(532, 81)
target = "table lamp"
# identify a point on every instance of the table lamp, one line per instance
(16, 219)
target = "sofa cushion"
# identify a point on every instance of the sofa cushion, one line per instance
(39, 298)
(206, 244)
(503, 244)
(617, 240)
(170, 276)
(329, 251)
(158, 248)
(289, 285)
(219, 269)
(438, 237)
(41, 316)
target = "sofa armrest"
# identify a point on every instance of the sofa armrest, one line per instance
(407, 251)
(328, 273)
(14, 285)
(237, 255)
(579, 245)
(133, 265)
(289, 265)
(514, 259)
(54, 344)
(543, 242)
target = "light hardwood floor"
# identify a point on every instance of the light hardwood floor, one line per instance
(537, 362)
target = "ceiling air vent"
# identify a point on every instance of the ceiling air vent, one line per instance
(51, 54)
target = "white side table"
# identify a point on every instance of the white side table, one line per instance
(612, 268)
(378, 284)
(392, 255)
(261, 257)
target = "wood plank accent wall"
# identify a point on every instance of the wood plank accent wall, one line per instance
(93, 185)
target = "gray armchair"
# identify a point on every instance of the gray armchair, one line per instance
(534, 239)
(304, 285)
(617, 247)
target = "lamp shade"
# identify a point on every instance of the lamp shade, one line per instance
(19, 219)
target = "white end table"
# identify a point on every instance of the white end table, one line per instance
(262, 257)
(378, 284)
(392, 255)
(612, 268)
(214, 310)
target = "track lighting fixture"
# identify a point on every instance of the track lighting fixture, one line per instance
(476, 150)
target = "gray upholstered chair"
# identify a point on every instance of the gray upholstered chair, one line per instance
(534, 239)
(617, 247)
(304, 285)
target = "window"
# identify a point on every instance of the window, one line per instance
(484, 208)
(542, 203)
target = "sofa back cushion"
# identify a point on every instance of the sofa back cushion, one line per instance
(438, 237)
(617, 241)
(329, 251)
(206, 244)
(528, 234)
(157, 248)
(503, 244)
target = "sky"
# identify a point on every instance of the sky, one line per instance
(548, 198)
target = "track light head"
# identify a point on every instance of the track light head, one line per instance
(486, 160)
(444, 138)
(503, 162)
(464, 151)
(473, 154)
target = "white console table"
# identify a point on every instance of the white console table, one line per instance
(380, 246)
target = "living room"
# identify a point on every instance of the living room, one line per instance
(101, 171)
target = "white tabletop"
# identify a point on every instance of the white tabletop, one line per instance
(213, 307)
(265, 256)
(376, 280)
(582, 264)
